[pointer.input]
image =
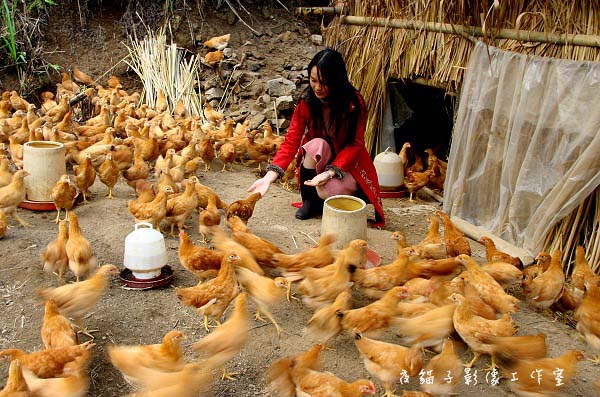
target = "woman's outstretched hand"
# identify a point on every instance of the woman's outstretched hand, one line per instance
(320, 179)
(262, 185)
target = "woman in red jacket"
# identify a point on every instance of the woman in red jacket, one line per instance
(327, 135)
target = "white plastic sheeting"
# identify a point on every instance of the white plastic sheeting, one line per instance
(526, 143)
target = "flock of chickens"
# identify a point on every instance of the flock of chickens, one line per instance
(417, 175)
(431, 294)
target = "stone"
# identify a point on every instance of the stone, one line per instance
(265, 98)
(284, 103)
(316, 39)
(280, 87)
(256, 121)
(282, 124)
(213, 93)
(255, 66)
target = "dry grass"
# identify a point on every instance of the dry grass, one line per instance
(165, 68)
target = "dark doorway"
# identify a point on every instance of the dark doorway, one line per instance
(422, 115)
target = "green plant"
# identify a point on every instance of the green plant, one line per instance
(9, 38)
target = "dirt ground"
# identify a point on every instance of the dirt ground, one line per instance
(143, 317)
(133, 317)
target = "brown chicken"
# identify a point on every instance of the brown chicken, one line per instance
(79, 250)
(469, 326)
(446, 369)
(428, 329)
(74, 381)
(82, 77)
(180, 208)
(455, 240)
(223, 243)
(153, 212)
(313, 383)
(279, 375)
(227, 155)
(193, 380)
(214, 57)
(57, 331)
(373, 282)
(85, 175)
(523, 347)
(54, 255)
(5, 174)
(547, 288)
(374, 318)
(324, 290)
(3, 224)
(209, 218)
(12, 194)
(490, 291)
(206, 151)
(588, 323)
(212, 297)
(76, 300)
(542, 263)
(415, 181)
(243, 208)
(109, 172)
(325, 323)
(204, 192)
(63, 195)
(16, 386)
(139, 169)
(218, 42)
(213, 115)
(166, 356)
(200, 261)
(265, 292)
(388, 361)
(318, 256)
(506, 274)
(262, 249)
(227, 339)
(432, 246)
(582, 271)
(538, 377)
(48, 363)
(494, 255)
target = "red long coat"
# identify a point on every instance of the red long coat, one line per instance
(353, 158)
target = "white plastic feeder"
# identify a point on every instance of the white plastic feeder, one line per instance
(390, 170)
(145, 251)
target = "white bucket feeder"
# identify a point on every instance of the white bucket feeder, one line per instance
(145, 251)
(346, 217)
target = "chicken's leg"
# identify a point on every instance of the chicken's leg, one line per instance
(270, 317)
(83, 330)
(224, 169)
(57, 215)
(474, 360)
(595, 359)
(110, 196)
(389, 390)
(228, 375)
(21, 221)
(289, 295)
(258, 317)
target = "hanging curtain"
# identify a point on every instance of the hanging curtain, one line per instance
(526, 143)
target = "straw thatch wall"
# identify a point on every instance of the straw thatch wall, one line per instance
(375, 54)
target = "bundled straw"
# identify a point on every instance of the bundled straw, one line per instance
(581, 227)
(163, 67)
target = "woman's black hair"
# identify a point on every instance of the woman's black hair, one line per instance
(332, 72)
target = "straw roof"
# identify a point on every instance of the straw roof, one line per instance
(376, 54)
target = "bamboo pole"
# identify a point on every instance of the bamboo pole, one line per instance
(586, 40)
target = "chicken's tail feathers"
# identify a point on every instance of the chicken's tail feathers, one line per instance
(327, 239)
(279, 377)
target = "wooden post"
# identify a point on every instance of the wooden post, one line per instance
(586, 40)
(475, 233)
